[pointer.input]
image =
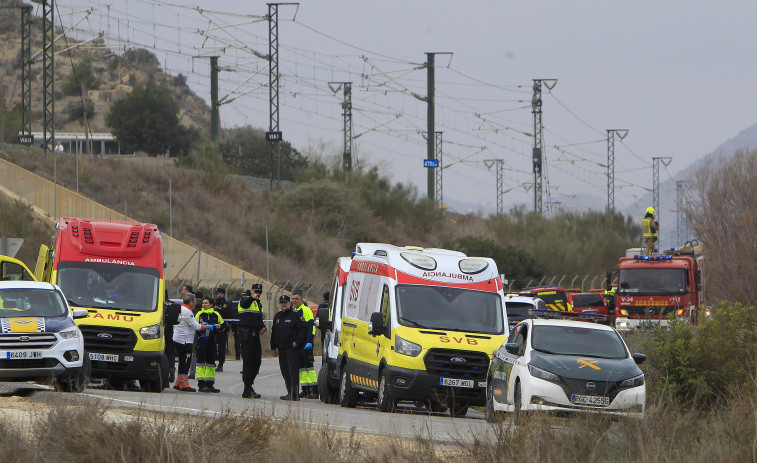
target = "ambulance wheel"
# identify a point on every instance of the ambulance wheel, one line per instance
(159, 383)
(492, 415)
(437, 407)
(348, 395)
(383, 399)
(458, 410)
(328, 394)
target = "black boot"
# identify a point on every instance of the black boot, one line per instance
(247, 392)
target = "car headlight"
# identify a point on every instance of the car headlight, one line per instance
(150, 332)
(69, 333)
(633, 382)
(537, 372)
(405, 347)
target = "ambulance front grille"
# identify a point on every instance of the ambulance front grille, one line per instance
(450, 363)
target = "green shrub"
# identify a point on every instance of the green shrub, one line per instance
(281, 241)
(711, 363)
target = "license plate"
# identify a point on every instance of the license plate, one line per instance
(103, 357)
(23, 355)
(597, 401)
(456, 382)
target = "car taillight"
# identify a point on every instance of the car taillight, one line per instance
(624, 312)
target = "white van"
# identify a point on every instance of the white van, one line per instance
(418, 325)
(331, 321)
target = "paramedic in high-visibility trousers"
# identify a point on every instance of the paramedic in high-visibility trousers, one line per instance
(249, 330)
(650, 227)
(288, 336)
(308, 378)
(205, 348)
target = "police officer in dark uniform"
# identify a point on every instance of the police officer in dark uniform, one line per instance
(234, 315)
(250, 328)
(288, 336)
(222, 337)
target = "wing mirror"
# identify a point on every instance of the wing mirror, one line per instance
(512, 348)
(376, 326)
(80, 313)
(639, 358)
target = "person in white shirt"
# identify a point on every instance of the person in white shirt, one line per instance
(183, 338)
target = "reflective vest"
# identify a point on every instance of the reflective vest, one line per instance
(647, 223)
(254, 307)
(307, 314)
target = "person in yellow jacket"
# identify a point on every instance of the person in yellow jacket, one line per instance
(308, 378)
(650, 227)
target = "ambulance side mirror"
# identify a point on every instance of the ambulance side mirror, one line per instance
(323, 319)
(376, 325)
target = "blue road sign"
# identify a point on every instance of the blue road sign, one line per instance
(430, 163)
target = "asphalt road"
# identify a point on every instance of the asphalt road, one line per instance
(407, 422)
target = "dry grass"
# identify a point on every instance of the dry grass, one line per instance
(92, 432)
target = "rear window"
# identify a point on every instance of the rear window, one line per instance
(587, 300)
(518, 309)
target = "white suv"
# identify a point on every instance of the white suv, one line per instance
(39, 340)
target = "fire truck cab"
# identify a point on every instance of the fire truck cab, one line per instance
(651, 289)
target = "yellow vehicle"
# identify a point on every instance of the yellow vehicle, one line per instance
(114, 270)
(14, 270)
(419, 325)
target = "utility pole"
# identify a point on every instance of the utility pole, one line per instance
(538, 157)
(215, 120)
(346, 121)
(656, 182)
(439, 190)
(273, 136)
(430, 146)
(26, 73)
(48, 73)
(500, 169)
(681, 223)
(430, 123)
(611, 133)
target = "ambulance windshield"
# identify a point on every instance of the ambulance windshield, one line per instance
(109, 286)
(446, 308)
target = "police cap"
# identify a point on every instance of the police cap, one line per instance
(285, 298)
(220, 291)
(257, 287)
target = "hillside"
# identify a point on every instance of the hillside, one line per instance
(323, 215)
(116, 75)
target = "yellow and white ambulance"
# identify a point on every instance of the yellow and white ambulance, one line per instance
(419, 325)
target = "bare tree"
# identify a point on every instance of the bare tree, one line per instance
(722, 211)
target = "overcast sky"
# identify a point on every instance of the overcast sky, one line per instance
(677, 74)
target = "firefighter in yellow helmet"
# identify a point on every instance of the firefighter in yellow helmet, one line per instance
(650, 227)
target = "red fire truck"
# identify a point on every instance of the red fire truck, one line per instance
(114, 270)
(651, 289)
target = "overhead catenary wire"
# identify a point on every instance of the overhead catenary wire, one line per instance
(386, 82)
